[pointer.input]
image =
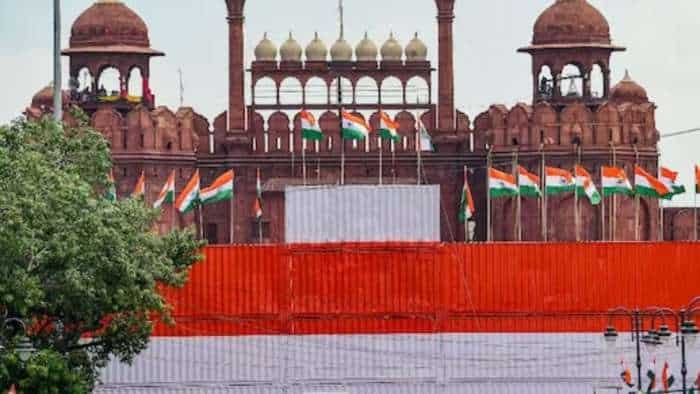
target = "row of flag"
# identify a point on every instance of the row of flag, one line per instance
(653, 383)
(559, 181)
(355, 128)
(193, 194)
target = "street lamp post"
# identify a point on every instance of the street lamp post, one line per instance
(689, 334)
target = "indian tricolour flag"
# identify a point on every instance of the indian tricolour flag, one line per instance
(354, 127)
(615, 181)
(466, 204)
(651, 377)
(388, 128)
(425, 142)
(558, 181)
(220, 190)
(167, 193)
(111, 192)
(189, 197)
(667, 378)
(585, 185)
(647, 185)
(528, 183)
(501, 184)
(670, 179)
(140, 189)
(310, 130)
(257, 204)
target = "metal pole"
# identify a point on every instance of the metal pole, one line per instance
(637, 200)
(695, 216)
(303, 160)
(201, 222)
(418, 156)
(613, 218)
(465, 207)
(489, 234)
(684, 362)
(602, 208)
(57, 91)
(518, 201)
(393, 162)
(231, 217)
(380, 143)
(637, 330)
(342, 140)
(577, 216)
(543, 173)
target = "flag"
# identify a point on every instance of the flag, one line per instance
(425, 142)
(387, 128)
(310, 130)
(626, 374)
(615, 181)
(501, 184)
(558, 181)
(189, 197)
(167, 193)
(651, 375)
(220, 190)
(354, 127)
(111, 192)
(257, 205)
(667, 378)
(585, 185)
(140, 189)
(528, 183)
(670, 179)
(466, 205)
(697, 179)
(648, 186)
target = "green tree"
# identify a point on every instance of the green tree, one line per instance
(81, 271)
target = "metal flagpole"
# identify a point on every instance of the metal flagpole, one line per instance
(695, 215)
(489, 234)
(613, 219)
(602, 207)
(201, 221)
(543, 174)
(342, 140)
(577, 216)
(636, 197)
(57, 93)
(419, 153)
(465, 207)
(380, 143)
(393, 162)
(518, 201)
(303, 159)
(231, 213)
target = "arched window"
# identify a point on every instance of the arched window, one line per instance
(417, 90)
(316, 91)
(346, 90)
(571, 81)
(85, 79)
(265, 92)
(135, 82)
(545, 83)
(291, 91)
(366, 91)
(109, 83)
(597, 81)
(392, 91)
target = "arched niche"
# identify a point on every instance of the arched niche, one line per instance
(518, 125)
(109, 82)
(316, 91)
(417, 90)
(545, 83)
(291, 92)
(331, 129)
(366, 91)
(85, 80)
(571, 84)
(278, 132)
(135, 82)
(265, 92)
(597, 78)
(392, 91)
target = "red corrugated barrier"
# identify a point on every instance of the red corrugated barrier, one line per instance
(416, 288)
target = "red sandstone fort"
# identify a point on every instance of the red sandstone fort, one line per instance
(576, 116)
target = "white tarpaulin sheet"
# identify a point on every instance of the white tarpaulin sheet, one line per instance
(362, 214)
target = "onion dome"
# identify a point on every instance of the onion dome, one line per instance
(391, 50)
(316, 50)
(266, 51)
(628, 90)
(43, 97)
(109, 26)
(290, 51)
(571, 22)
(366, 50)
(341, 51)
(416, 50)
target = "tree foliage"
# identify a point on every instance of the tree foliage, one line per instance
(74, 265)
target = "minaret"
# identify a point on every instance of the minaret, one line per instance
(236, 42)
(446, 100)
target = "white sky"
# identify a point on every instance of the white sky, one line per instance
(661, 36)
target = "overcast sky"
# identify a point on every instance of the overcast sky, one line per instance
(661, 36)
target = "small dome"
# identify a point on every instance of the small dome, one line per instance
(416, 51)
(316, 50)
(341, 51)
(366, 50)
(290, 51)
(266, 51)
(571, 22)
(109, 23)
(628, 90)
(391, 50)
(43, 97)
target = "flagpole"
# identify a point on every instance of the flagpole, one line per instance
(231, 214)
(303, 160)
(577, 213)
(57, 79)
(465, 207)
(342, 140)
(418, 156)
(543, 174)
(489, 234)
(636, 197)
(380, 143)
(602, 207)
(518, 201)
(201, 222)
(695, 215)
(613, 219)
